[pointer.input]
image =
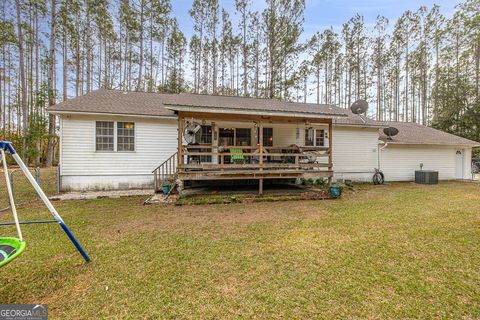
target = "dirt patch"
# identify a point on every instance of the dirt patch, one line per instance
(102, 194)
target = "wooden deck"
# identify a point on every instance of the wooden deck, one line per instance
(277, 163)
(257, 162)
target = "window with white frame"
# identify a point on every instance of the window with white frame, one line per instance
(104, 136)
(314, 137)
(125, 136)
(114, 136)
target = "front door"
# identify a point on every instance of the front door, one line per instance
(459, 164)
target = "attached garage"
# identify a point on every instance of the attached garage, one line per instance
(416, 146)
(399, 162)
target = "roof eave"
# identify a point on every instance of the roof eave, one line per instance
(253, 112)
(358, 125)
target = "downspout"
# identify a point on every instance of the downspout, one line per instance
(379, 152)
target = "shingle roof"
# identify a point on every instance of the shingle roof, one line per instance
(243, 104)
(356, 120)
(116, 102)
(155, 104)
(162, 105)
(414, 133)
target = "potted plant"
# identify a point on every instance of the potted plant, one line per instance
(167, 185)
(335, 190)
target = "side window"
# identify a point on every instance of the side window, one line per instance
(309, 139)
(267, 136)
(104, 135)
(206, 137)
(125, 136)
(319, 138)
(314, 137)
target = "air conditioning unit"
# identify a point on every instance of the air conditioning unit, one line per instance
(426, 177)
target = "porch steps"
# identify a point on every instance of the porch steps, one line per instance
(166, 171)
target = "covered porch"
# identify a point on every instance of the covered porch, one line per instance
(253, 147)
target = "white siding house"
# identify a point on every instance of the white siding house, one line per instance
(82, 167)
(399, 162)
(355, 153)
(89, 161)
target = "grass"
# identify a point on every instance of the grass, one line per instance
(393, 251)
(22, 189)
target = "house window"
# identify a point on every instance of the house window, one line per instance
(114, 136)
(314, 137)
(104, 140)
(319, 138)
(125, 136)
(242, 137)
(206, 138)
(267, 137)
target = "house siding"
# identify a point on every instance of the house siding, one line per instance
(355, 153)
(399, 162)
(83, 168)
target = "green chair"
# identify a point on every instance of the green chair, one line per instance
(237, 156)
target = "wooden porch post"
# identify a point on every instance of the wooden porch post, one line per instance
(180, 139)
(260, 161)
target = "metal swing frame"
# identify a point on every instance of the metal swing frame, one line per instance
(7, 147)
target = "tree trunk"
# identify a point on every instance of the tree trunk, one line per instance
(140, 67)
(23, 83)
(51, 93)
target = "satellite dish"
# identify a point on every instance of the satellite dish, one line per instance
(359, 106)
(390, 132)
(192, 133)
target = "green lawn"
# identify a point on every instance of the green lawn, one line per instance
(394, 251)
(22, 190)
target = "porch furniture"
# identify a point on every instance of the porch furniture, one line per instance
(237, 156)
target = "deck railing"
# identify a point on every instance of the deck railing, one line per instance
(271, 157)
(164, 171)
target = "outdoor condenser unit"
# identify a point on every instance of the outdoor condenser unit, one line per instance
(426, 177)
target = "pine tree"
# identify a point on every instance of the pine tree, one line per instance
(282, 26)
(242, 9)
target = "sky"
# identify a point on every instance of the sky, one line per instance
(321, 14)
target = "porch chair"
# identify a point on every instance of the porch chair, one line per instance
(237, 156)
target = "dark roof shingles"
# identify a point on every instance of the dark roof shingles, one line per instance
(251, 104)
(116, 102)
(414, 133)
(153, 104)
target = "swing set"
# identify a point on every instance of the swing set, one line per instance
(11, 248)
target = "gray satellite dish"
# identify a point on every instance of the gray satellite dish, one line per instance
(390, 132)
(359, 106)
